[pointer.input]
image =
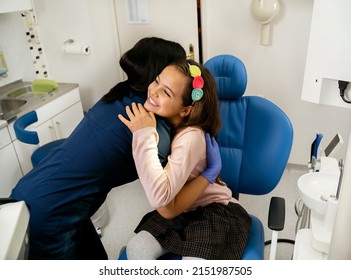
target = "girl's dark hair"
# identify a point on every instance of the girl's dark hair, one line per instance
(143, 63)
(205, 112)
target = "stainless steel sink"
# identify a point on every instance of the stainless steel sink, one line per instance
(17, 98)
(9, 108)
(25, 92)
(21, 92)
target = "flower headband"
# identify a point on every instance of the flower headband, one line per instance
(198, 83)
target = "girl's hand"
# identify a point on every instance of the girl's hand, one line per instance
(138, 118)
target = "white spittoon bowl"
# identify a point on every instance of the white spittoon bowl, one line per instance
(315, 188)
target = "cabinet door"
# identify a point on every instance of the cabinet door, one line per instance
(61, 125)
(46, 132)
(4, 137)
(10, 171)
(24, 152)
(65, 122)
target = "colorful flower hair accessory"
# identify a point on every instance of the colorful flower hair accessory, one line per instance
(196, 94)
(194, 71)
(198, 83)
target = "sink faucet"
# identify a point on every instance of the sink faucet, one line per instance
(316, 164)
(341, 168)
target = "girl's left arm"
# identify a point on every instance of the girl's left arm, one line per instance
(185, 198)
(188, 195)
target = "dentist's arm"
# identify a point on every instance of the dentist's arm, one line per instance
(192, 190)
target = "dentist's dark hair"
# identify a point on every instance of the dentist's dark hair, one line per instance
(143, 63)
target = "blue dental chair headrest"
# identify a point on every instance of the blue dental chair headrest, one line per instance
(230, 75)
(256, 136)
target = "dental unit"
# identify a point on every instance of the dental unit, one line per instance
(319, 191)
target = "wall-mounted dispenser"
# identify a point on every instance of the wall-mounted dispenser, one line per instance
(265, 11)
(70, 47)
(3, 65)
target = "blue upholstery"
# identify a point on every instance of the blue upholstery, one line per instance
(23, 135)
(31, 137)
(255, 141)
(230, 76)
(255, 137)
(255, 246)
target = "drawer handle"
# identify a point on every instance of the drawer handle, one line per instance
(59, 130)
(52, 132)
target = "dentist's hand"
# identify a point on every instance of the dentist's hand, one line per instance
(138, 118)
(214, 161)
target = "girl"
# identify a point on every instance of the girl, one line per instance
(202, 220)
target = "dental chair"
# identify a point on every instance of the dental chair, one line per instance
(31, 137)
(255, 142)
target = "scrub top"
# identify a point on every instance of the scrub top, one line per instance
(73, 180)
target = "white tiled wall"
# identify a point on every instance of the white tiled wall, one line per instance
(34, 44)
(13, 43)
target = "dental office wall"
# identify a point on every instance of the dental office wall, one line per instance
(13, 44)
(275, 71)
(90, 23)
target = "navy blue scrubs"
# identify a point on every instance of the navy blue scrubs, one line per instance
(71, 183)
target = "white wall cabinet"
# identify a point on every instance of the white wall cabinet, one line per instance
(56, 120)
(7, 6)
(10, 171)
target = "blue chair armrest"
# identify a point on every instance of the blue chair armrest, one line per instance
(25, 136)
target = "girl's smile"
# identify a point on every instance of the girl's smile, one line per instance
(151, 101)
(165, 95)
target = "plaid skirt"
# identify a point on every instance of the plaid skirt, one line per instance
(213, 232)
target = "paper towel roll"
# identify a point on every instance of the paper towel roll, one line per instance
(76, 49)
